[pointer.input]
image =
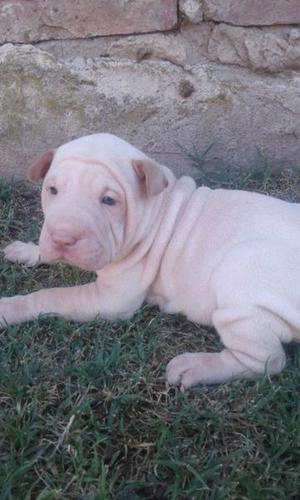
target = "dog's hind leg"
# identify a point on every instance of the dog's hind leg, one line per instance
(252, 348)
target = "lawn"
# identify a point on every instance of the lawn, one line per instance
(84, 409)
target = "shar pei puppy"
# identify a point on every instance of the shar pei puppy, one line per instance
(225, 258)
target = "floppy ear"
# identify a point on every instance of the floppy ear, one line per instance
(151, 176)
(41, 166)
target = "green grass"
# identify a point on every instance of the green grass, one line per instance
(85, 412)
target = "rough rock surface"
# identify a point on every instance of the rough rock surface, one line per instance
(34, 20)
(268, 49)
(182, 48)
(192, 10)
(252, 12)
(188, 72)
(44, 102)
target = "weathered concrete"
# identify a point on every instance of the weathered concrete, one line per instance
(252, 12)
(34, 20)
(44, 102)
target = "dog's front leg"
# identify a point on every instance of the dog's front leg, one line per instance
(79, 303)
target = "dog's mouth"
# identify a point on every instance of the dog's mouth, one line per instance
(91, 263)
(87, 255)
(87, 252)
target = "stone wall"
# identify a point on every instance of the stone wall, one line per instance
(160, 73)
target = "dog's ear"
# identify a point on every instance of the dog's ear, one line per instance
(151, 175)
(41, 166)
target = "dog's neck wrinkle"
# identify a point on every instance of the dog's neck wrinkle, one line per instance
(175, 204)
(137, 247)
(148, 251)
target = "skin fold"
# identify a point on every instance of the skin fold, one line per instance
(229, 259)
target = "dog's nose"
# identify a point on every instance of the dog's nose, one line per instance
(62, 239)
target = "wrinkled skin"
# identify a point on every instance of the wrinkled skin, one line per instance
(229, 259)
(89, 234)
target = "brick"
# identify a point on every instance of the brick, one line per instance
(253, 12)
(34, 20)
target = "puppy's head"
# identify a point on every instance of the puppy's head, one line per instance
(96, 192)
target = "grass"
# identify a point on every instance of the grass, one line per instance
(84, 409)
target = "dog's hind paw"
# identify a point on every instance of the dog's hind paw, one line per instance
(190, 369)
(180, 370)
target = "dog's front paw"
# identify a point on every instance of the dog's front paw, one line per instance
(22, 253)
(185, 370)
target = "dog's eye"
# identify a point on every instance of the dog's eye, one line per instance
(107, 200)
(52, 190)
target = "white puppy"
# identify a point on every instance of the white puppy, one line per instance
(225, 258)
